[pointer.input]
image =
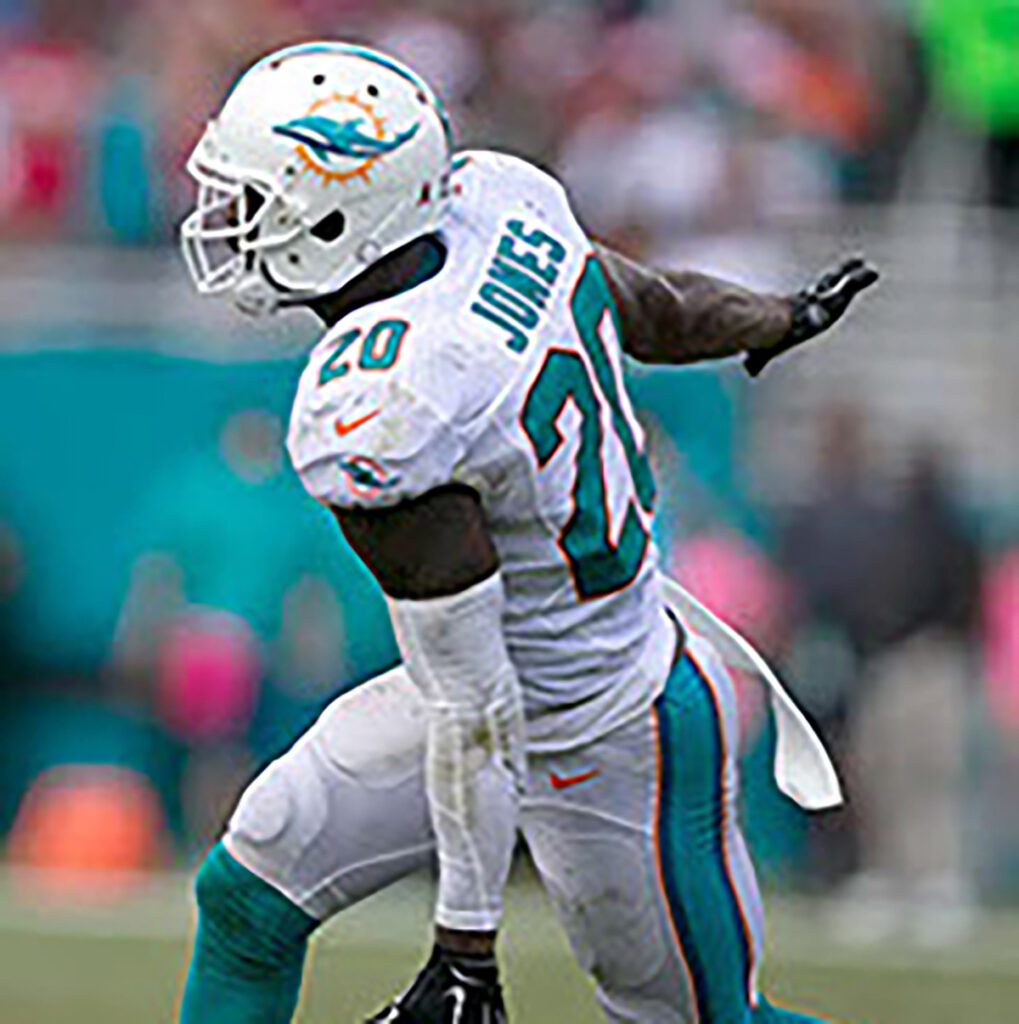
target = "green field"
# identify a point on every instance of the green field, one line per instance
(122, 965)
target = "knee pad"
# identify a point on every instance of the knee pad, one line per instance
(245, 922)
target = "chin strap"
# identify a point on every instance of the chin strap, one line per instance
(257, 294)
(254, 296)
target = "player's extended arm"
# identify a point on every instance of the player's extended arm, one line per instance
(434, 558)
(681, 316)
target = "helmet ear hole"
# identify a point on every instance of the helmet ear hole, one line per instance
(330, 227)
(253, 201)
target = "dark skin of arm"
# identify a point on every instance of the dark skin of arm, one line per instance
(681, 316)
(433, 546)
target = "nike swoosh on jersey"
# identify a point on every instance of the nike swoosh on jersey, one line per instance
(342, 429)
(565, 782)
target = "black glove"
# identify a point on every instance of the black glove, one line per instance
(817, 308)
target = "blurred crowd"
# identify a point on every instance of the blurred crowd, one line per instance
(232, 619)
(665, 116)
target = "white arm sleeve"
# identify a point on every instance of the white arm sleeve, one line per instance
(456, 654)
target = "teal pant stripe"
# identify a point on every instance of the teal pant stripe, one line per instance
(704, 904)
(724, 826)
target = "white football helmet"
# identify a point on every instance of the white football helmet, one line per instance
(324, 158)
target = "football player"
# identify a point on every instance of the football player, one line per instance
(465, 420)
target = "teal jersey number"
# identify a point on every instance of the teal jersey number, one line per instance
(382, 346)
(334, 367)
(379, 350)
(598, 566)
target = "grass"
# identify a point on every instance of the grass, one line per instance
(122, 965)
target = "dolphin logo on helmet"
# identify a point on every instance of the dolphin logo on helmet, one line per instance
(327, 138)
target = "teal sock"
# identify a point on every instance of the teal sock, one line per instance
(249, 950)
(765, 1013)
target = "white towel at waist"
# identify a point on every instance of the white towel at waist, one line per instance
(803, 769)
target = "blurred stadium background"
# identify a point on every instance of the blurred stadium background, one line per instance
(173, 612)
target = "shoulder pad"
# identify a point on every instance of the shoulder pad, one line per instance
(370, 426)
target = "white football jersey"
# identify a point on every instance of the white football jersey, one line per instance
(503, 372)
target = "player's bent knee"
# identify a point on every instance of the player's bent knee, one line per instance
(214, 882)
(244, 922)
(280, 816)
